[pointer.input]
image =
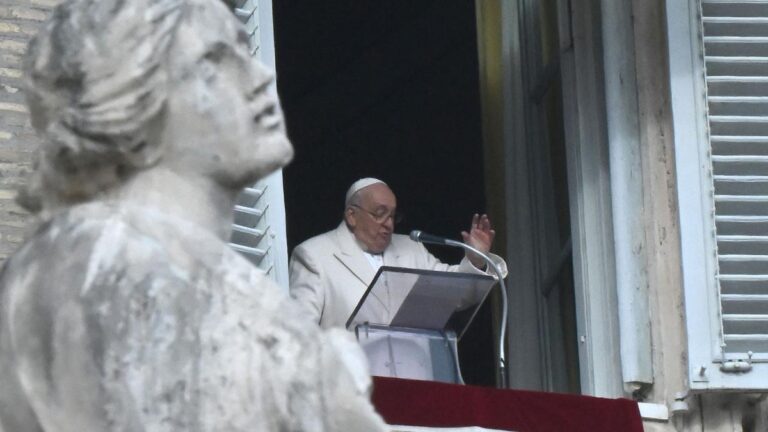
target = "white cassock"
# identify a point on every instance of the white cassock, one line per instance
(330, 273)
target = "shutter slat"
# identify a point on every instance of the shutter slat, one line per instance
(736, 65)
(746, 205)
(743, 218)
(739, 164)
(734, 39)
(247, 230)
(742, 244)
(250, 197)
(745, 297)
(743, 277)
(739, 321)
(735, 60)
(733, 2)
(738, 238)
(738, 119)
(735, 20)
(741, 198)
(736, 78)
(763, 318)
(759, 337)
(743, 257)
(738, 145)
(249, 250)
(739, 138)
(745, 317)
(252, 191)
(752, 100)
(741, 264)
(740, 178)
(249, 210)
(740, 158)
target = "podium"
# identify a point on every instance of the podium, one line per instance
(408, 321)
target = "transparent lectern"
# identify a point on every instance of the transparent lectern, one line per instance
(408, 321)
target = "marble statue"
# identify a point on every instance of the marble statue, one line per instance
(126, 310)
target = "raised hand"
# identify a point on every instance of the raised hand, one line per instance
(480, 237)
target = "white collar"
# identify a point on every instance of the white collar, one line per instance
(376, 260)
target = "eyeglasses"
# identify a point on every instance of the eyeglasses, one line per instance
(381, 217)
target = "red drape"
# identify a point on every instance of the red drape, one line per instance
(424, 403)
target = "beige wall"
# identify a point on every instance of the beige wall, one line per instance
(19, 20)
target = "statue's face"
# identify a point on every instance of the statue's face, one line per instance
(221, 121)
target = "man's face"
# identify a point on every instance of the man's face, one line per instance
(372, 219)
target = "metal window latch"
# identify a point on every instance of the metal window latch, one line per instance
(737, 366)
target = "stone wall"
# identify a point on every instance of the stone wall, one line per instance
(19, 20)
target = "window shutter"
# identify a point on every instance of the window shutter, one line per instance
(720, 109)
(259, 221)
(736, 58)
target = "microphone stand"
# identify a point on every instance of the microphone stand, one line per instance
(504, 305)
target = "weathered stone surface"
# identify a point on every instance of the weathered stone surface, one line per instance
(155, 325)
(126, 310)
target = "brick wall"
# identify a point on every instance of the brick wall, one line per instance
(19, 20)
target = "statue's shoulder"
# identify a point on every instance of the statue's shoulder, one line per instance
(62, 241)
(107, 245)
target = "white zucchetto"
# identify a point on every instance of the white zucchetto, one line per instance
(360, 184)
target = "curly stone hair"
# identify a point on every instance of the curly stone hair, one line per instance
(95, 87)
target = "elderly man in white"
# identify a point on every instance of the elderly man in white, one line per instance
(330, 273)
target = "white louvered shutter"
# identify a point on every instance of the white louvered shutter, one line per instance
(259, 227)
(720, 106)
(736, 58)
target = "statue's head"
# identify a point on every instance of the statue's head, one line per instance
(116, 87)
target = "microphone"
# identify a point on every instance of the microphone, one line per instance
(422, 237)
